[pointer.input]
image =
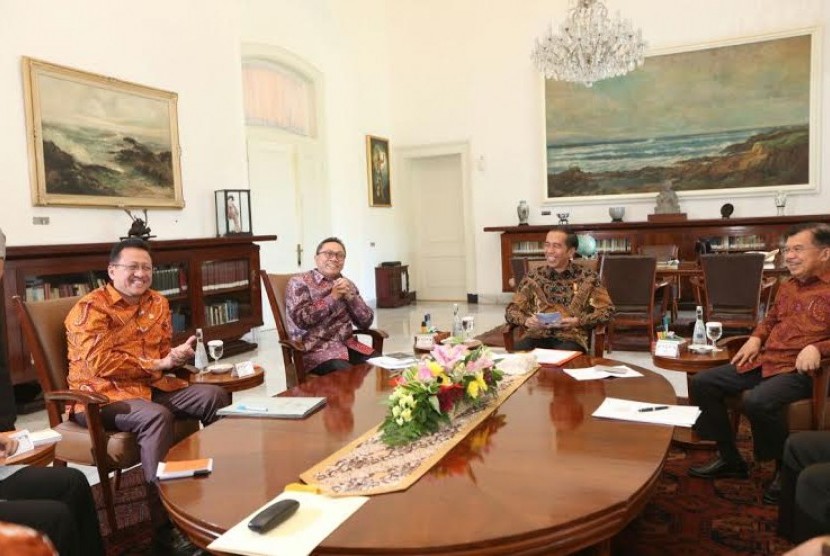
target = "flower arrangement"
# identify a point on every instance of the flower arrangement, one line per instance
(448, 381)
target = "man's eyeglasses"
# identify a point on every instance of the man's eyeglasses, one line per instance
(135, 267)
(798, 249)
(339, 255)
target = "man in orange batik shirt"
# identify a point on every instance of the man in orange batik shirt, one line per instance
(119, 345)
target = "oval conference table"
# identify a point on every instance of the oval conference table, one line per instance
(539, 476)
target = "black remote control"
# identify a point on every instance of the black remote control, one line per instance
(273, 515)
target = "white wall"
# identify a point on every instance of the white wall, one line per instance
(462, 71)
(187, 46)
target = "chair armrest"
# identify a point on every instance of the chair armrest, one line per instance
(293, 345)
(76, 396)
(598, 341)
(507, 332)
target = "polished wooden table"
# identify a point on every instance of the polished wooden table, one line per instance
(539, 476)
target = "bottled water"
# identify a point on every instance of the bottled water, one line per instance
(699, 334)
(456, 322)
(201, 358)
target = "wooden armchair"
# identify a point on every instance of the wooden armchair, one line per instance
(803, 415)
(631, 282)
(292, 351)
(107, 450)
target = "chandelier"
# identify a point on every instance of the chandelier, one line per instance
(590, 46)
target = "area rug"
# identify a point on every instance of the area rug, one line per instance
(686, 516)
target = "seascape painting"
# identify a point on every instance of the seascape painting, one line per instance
(98, 141)
(711, 119)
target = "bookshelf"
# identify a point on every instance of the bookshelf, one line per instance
(211, 283)
(725, 235)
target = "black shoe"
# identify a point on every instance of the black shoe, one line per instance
(720, 469)
(773, 491)
(169, 541)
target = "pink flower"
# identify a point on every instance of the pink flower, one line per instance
(479, 364)
(448, 356)
(424, 374)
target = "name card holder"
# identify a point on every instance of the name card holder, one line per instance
(668, 348)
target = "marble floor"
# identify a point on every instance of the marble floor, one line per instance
(401, 324)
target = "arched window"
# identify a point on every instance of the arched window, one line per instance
(276, 96)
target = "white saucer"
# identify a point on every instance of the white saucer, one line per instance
(701, 348)
(221, 368)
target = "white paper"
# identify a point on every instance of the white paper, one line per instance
(516, 363)
(315, 519)
(24, 442)
(602, 371)
(628, 410)
(553, 356)
(45, 436)
(245, 368)
(391, 363)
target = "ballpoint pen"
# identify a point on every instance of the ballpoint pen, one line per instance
(654, 408)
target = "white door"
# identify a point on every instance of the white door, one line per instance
(275, 208)
(436, 185)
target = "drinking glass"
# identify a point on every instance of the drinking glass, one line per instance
(216, 348)
(714, 330)
(467, 325)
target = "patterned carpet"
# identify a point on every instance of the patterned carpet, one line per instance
(686, 516)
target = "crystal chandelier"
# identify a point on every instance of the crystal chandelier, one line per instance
(590, 46)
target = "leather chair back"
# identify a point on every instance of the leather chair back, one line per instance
(663, 253)
(732, 288)
(275, 286)
(47, 325)
(631, 283)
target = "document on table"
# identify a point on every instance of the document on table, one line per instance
(645, 412)
(316, 518)
(602, 371)
(554, 356)
(392, 363)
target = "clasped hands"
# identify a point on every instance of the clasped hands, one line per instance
(808, 359)
(565, 322)
(343, 289)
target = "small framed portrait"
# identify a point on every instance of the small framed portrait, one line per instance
(377, 168)
(233, 212)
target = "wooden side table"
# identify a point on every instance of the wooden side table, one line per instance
(229, 381)
(691, 363)
(392, 286)
(41, 456)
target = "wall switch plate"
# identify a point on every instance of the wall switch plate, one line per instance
(545, 213)
(40, 220)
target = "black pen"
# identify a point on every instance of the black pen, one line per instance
(655, 408)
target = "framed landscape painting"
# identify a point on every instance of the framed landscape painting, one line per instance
(714, 120)
(98, 141)
(377, 167)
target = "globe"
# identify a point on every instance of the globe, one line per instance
(587, 246)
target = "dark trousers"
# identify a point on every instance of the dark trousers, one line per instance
(804, 506)
(152, 421)
(764, 404)
(527, 344)
(56, 501)
(355, 358)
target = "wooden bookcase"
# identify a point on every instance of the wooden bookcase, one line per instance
(725, 235)
(211, 283)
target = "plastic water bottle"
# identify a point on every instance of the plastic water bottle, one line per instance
(456, 322)
(201, 358)
(699, 334)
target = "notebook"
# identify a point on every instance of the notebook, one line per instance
(274, 408)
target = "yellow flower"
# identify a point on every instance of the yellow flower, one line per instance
(406, 414)
(435, 368)
(477, 385)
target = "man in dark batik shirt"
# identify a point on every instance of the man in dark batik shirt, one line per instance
(322, 307)
(560, 286)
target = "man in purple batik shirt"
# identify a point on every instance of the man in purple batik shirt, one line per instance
(322, 308)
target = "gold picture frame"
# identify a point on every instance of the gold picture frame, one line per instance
(378, 171)
(98, 141)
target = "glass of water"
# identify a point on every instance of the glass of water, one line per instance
(468, 325)
(714, 330)
(216, 348)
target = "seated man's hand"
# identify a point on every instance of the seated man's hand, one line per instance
(748, 351)
(178, 355)
(566, 322)
(8, 446)
(533, 322)
(808, 360)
